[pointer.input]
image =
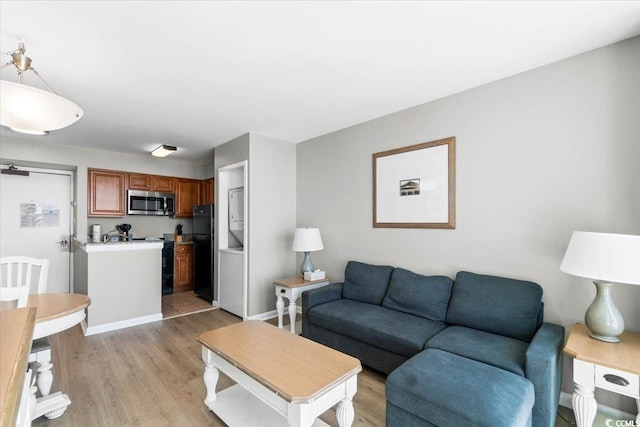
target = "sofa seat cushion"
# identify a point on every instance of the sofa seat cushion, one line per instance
(497, 350)
(365, 282)
(424, 296)
(390, 330)
(445, 389)
(495, 304)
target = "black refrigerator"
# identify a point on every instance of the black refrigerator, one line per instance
(203, 226)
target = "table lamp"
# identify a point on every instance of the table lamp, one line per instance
(307, 240)
(607, 259)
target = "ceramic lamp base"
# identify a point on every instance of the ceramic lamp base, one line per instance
(307, 265)
(603, 317)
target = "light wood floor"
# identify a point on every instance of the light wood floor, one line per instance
(151, 375)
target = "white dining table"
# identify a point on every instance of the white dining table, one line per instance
(56, 313)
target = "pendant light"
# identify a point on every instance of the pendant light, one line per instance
(27, 109)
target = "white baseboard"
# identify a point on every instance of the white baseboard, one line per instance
(92, 330)
(264, 316)
(565, 400)
(273, 314)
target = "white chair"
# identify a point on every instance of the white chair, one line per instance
(15, 293)
(21, 267)
(17, 274)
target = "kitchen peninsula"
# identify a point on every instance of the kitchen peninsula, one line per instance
(123, 281)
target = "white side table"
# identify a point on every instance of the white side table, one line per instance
(610, 366)
(292, 288)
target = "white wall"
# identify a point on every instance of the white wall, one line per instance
(29, 153)
(538, 155)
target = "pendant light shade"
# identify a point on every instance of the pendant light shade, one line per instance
(28, 109)
(31, 110)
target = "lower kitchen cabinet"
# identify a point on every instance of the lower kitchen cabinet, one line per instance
(183, 267)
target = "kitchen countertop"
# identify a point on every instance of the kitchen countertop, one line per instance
(135, 245)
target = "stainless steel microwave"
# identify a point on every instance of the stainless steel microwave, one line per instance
(150, 203)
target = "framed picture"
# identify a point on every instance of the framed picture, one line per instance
(414, 187)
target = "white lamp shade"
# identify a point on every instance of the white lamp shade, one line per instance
(608, 257)
(307, 240)
(29, 109)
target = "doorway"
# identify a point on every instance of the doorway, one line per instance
(36, 219)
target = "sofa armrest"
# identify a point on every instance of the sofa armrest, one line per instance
(543, 367)
(318, 296)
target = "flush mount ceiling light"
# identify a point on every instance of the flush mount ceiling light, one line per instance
(31, 110)
(164, 151)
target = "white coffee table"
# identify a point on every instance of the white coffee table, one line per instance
(282, 379)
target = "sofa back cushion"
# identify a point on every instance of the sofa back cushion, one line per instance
(365, 282)
(494, 304)
(424, 296)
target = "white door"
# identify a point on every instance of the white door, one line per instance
(35, 220)
(231, 296)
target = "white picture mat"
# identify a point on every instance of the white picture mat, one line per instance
(430, 166)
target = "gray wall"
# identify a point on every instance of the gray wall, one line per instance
(271, 212)
(128, 292)
(41, 154)
(538, 155)
(234, 151)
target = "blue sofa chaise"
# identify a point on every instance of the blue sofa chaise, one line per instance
(474, 351)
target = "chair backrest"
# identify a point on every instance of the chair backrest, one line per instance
(16, 293)
(16, 271)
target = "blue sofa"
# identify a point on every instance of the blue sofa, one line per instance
(474, 351)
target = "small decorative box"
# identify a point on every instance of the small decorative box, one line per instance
(313, 275)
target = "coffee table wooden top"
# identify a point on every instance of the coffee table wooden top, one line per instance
(297, 369)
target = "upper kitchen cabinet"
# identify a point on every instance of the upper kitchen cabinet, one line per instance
(208, 191)
(106, 193)
(187, 196)
(164, 184)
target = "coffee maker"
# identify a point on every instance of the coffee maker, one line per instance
(124, 230)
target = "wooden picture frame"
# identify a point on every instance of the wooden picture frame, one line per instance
(414, 187)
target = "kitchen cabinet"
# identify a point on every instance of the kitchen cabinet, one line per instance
(208, 191)
(187, 196)
(183, 268)
(106, 190)
(164, 184)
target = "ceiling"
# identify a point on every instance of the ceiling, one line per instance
(196, 74)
